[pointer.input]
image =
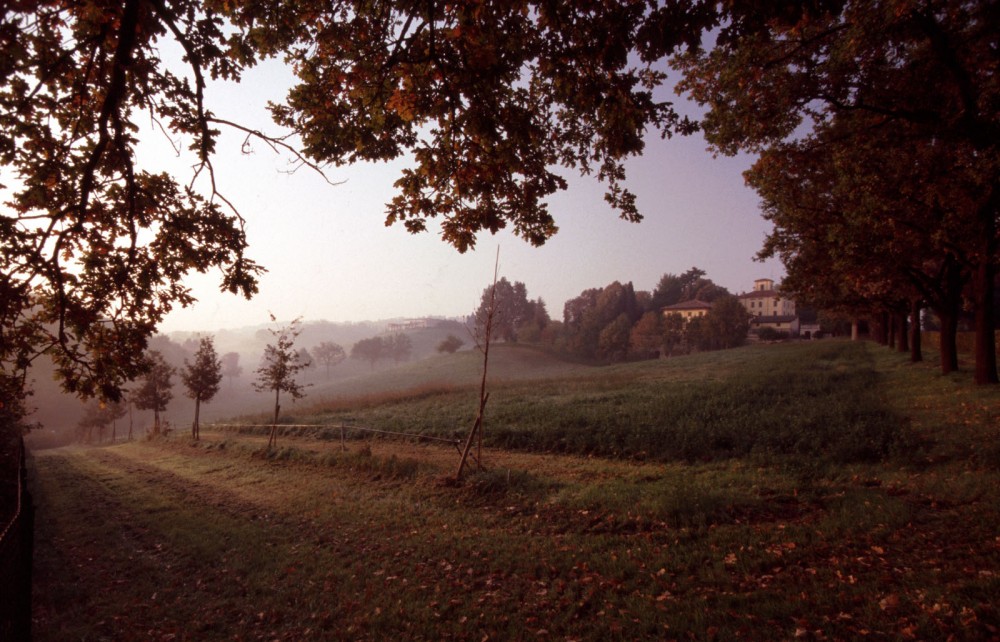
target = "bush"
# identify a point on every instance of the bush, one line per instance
(771, 334)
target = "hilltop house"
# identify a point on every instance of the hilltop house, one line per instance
(769, 308)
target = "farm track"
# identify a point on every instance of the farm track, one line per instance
(169, 541)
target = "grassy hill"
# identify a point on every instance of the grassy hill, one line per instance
(827, 490)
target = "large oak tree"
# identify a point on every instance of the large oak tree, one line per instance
(486, 100)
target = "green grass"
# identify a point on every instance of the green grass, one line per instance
(820, 400)
(871, 510)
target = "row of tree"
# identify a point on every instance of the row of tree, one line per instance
(615, 323)
(154, 391)
(878, 139)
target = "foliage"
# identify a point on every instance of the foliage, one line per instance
(512, 309)
(329, 354)
(727, 324)
(99, 415)
(595, 311)
(95, 246)
(483, 96)
(877, 112)
(612, 343)
(399, 347)
(202, 378)
(450, 344)
(488, 103)
(647, 336)
(231, 367)
(691, 285)
(371, 350)
(771, 334)
(279, 367)
(155, 389)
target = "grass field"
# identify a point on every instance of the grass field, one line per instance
(817, 491)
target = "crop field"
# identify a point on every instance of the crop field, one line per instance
(829, 490)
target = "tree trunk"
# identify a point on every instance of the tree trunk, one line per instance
(156, 422)
(902, 343)
(273, 439)
(889, 327)
(986, 355)
(916, 352)
(195, 427)
(949, 347)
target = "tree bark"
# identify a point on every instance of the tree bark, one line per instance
(986, 355)
(902, 343)
(916, 351)
(272, 440)
(195, 427)
(949, 347)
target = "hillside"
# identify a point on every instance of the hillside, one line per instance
(820, 491)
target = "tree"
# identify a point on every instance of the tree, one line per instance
(728, 323)
(673, 288)
(99, 414)
(673, 331)
(155, 390)
(202, 379)
(587, 316)
(612, 343)
(647, 336)
(450, 344)
(306, 359)
(370, 350)
(896, 249)
(485, 101)
(329, 354)
(919, 76)
(400, 347)
(278, 368)
(513, 309)
(231, 367)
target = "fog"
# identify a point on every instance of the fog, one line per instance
(58, 414)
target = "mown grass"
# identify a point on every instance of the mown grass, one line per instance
(770, 535)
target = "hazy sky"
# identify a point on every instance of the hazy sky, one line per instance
(329, 255)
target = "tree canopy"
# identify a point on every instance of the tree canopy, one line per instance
(488, 102)
(912, 86)
(278, 369)
(156, 387)
(202, 378)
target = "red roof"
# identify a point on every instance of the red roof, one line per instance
(693, 304)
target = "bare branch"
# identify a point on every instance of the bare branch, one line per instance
(277, 144)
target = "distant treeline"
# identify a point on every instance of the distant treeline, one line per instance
(616, 322)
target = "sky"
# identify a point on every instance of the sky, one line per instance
(330, 256)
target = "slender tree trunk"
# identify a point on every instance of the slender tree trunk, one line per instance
(902, 343)
(949, 346)
(273, 439)
(195, 427)
(986, 355)
(156, 422)
(889, 339)
(916, 352)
